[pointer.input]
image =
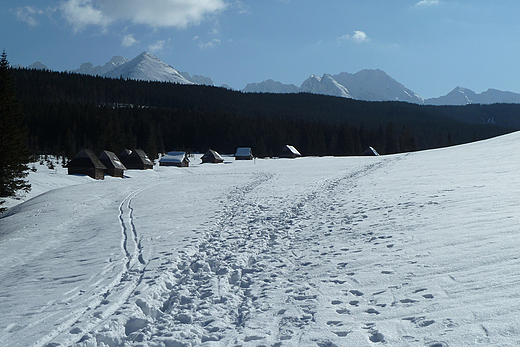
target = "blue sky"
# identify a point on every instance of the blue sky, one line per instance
(430, 46)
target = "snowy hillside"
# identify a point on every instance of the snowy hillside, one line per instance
(147, 67)
(416, 249)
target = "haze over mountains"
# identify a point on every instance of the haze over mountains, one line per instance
(367, 85)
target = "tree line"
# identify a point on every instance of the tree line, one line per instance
(66, 112)
(14, 153)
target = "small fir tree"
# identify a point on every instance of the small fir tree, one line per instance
(14, 152)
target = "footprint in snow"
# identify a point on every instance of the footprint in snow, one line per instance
(376, 337)
(437, 344)
(341, 333)
(372, 311)
(335, 323)
(420, 322)
(356, 293)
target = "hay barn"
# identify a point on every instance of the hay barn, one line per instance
(179, 159)
(135, 159)
(212, 156)
(244, 153)
(114, 166)
(86, 163)
(289, 152)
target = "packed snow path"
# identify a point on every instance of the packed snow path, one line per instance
(417, 249)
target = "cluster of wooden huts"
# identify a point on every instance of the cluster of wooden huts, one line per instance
(108, 163)
(181, 159)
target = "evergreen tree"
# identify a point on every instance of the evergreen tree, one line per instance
(390, 141)
(14, 152)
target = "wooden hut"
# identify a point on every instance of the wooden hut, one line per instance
(212, 156)
(114, 166)
(244, 153)
(86, 163)
(179, 159)
(289, 152)
(135, 159)
(370, 151)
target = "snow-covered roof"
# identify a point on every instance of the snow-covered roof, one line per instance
(110, 159)
(370, 151)
(243, 152)
(173, 157)
(212, 156)
(293, 150)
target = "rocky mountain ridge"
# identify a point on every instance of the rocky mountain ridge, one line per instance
(367, 85)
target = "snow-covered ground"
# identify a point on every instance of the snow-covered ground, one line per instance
(418, 249)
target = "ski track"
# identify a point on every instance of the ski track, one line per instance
(250, 281)
(115, 294)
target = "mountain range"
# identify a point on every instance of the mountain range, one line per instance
(367, 85)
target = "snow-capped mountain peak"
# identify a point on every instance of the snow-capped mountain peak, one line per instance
(89, 69)
(147, 67)
(464, 96)
(376, 85)
(197, 79)
(270, 86)
(38, 66)
(325, 85)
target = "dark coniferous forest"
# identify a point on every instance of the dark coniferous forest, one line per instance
(66, 112)
(14, 153)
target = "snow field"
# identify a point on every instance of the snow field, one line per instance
(417, 249)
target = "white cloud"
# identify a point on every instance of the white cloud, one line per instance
(82, 13)
(28, 14)
(241, 7)
(155, 13)
(210, 44)
(128, 41)
(427, 3)
(158, 46)
(358, 37)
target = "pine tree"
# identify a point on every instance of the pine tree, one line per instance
(14, 152)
